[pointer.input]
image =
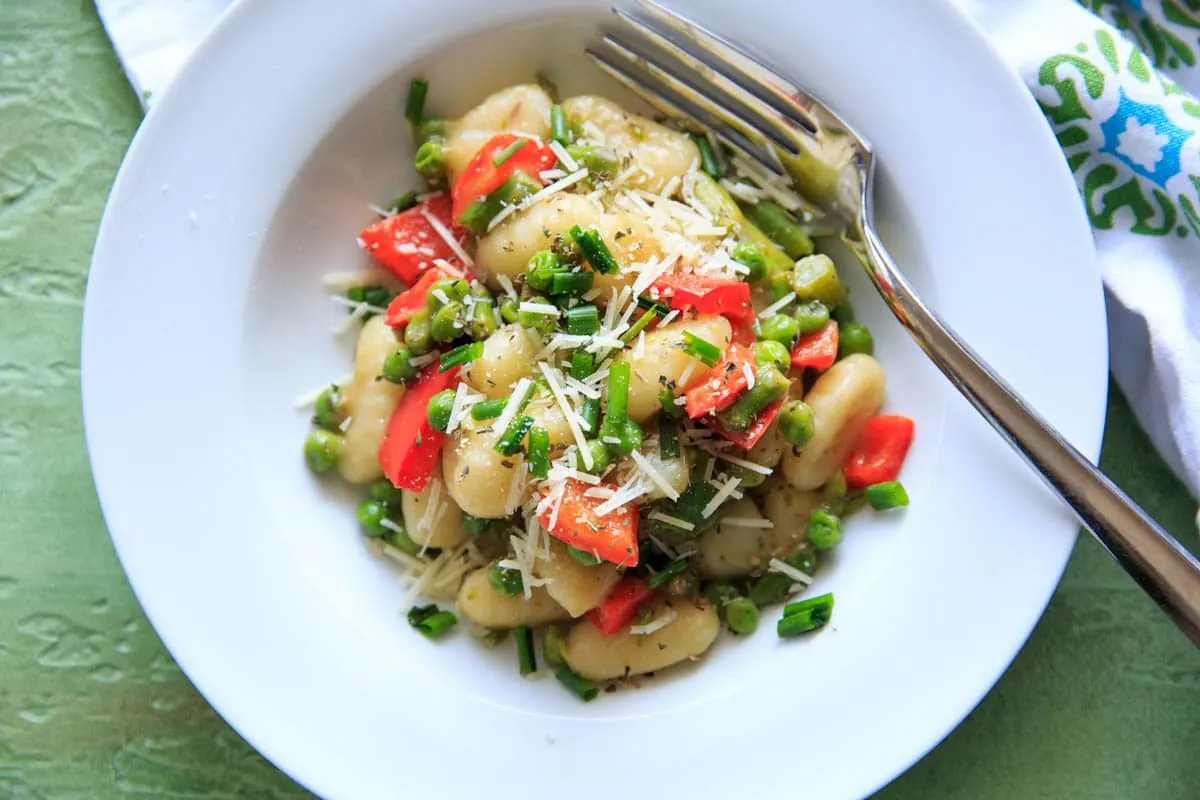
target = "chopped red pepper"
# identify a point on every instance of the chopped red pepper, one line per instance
(408, 302)
(406, 244)
(619, 608)
(612, 537)
(880, 451)
(817, 350)
(723, 296)
(748, 438)
(482, 176)
(723, 383)
(410, 446)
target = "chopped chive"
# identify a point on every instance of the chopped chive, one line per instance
(583, 364)
(668, 438)
(508, 152)
(807, 615)
(583, 320)
(595, 250)
(666, 399)
(488, 409)
(510, 442)
(525, 655)
(554, 644)
(461, 355)
(405, 201)
(886, 495)
(708, 158)
(576, 684)
(584, 557)
(618, 392)
(672, 571)
(707, 352)
(559, 131)
(414, 105)
(651, 304)
(643, 321)
(589, 414)
(431, 621)
(539, 451)
(575, 283)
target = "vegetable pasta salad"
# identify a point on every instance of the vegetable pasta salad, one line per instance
(605, 390)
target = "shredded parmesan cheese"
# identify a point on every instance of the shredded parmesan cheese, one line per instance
(656, 624)
(783, 568)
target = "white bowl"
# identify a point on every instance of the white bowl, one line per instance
(205, 316)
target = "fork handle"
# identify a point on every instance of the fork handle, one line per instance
(1161, 566)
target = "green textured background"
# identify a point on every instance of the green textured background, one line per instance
(1103, 702)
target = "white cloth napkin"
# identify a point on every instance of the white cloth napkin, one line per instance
(1118, 82)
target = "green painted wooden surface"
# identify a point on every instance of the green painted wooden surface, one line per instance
(1104, 701)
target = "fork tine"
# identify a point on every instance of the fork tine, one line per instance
(725, 98)
(747, 71)
(662, 97)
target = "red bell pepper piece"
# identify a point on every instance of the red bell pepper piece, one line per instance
(723, 383)
(817, 350)
(482, 176)
(405, 304)
(612, 537)
(410, 446)
(880, 451)
(748, 438)
(406, 245)
(619, 608)
(723, 296)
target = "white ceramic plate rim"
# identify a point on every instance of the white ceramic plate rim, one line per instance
(316, 708)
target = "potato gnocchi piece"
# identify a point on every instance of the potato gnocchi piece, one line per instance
(481, 604)
(732, 548)
(842, 400)
(598, 657)
(549, 415)
(788, 508)
(524, 108)
(663, 358)
(574, 586)
(766, 452)
(369, 403)
(508, 356)
(658, 152)
(445, 529)
(478, 477)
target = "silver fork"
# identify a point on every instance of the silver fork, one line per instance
(687, 71)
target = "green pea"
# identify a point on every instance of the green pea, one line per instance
(752, 256)
(440, 293)
(628, 436)
(370, 514)
(416, 333)
(330, 408)
(835, 491)
(843, 313)
(510, 309)
(476, 525)
(811, 316)
(439, 408)
(855, 338)
(322, 449)
(769, 351)
(383, 491)
(541, 269)
(398, 367)
(447, 323)
(720, 593)
(796, 422)
(779, 328)
(554, 647)
(600, 459)
(506, 582)
(741, 615)
(482, 323)
(543, 323)
(824, 529)
(747, 478)
(583, 556)
(816, 278)
(397, 536)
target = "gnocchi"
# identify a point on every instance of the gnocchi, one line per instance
(665, 451)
